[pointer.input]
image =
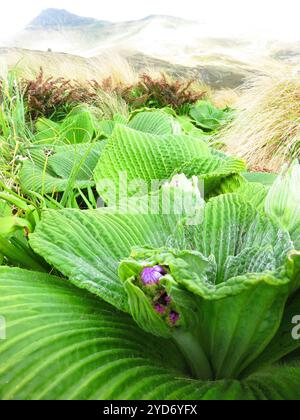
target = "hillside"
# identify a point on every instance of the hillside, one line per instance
(216, 74)
(157, 41)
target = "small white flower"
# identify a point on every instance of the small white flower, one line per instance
(186, 197)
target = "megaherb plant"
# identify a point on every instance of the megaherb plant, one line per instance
(195, 302)
(209, 118)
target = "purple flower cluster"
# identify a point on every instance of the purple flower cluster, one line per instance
(159, 308)
(174, 317)
(152, 275)
(162, 303)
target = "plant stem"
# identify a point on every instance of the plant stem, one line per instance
(194, 355)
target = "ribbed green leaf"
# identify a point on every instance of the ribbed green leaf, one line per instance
(155, 122)
(212, 169)
(78, 126)
(250, 260)
(253, 193)
(47, 131)
(239, 317)
(63, 344)
(138, 156)
(208, 116)
(68, 164)
(232, 225)
(88, 246)
(276, 384)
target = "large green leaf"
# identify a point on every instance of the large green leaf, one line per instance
(189, 127)
(253, 193)
(47, 131)
(233, 322)
(235, 330)
(155, 122)
(88, 246)
(283, 343)
(213, 170)
(133, 156)
(78, 127)
(67, 165)
(64, 344)
(232, 225)
(281, 383)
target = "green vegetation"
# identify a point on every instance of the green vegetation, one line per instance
(118, 278)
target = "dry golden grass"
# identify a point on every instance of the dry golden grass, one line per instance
(266, 132)
(28, 64)
(107, 104)
(225, 98)
(115, 67)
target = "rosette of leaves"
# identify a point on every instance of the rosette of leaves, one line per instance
(154, 308)
(132, 155)
(209, 118)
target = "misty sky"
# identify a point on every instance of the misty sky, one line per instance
(276, 18)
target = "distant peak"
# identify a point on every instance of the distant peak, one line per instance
(167, 18)
(59, 17)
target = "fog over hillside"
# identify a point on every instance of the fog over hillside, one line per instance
(155, 38)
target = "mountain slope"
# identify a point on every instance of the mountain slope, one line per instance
(161, 41)
(62, 31)
(55, 18)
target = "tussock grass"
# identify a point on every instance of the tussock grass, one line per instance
(224, 98)
(82, 69)
(71, 67)
(116, 68)
(266, 131)
(107, 104)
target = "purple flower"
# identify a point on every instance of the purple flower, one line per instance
(152, 275)
(167, 299)
(174, 317)
(160, 309)
(164, 299)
